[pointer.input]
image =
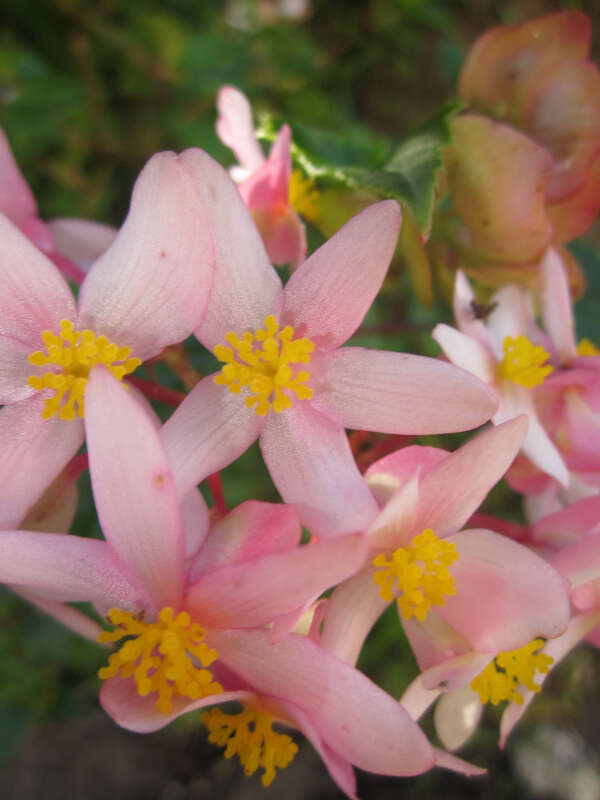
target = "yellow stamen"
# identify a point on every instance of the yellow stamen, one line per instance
(503, 677)
(250, 736)
(161, 656)
(303, 196)
(524, 362)
(417, 575)
(75, 352)
(587, 348)
(260, 362)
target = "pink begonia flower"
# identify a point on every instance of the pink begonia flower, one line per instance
(505, 351)
(147, 291)
(301, 391)
(244, 572)
(268, 186)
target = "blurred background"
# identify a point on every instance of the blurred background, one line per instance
(89, 89)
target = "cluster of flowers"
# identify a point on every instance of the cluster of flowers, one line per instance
(209, 607)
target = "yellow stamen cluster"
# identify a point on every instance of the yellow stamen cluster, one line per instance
(587, 348)
(162, 656)
(250, 736)
(303, 195)
(417, 575)
(260, 362)
(524, 363)
(503, 676)
(75, 352)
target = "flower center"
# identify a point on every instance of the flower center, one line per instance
(587, 348)
(503, 676)
(250, 736)
(162, 656)
(76, 352)
(303, 195)
(417, 575)
(260, 362)
(524, 363)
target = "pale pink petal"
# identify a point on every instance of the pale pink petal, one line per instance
(236, 129)
(209, 430)
(582, 432)
(150, 288)
(498, 580)
(33, 295)
(312, 466)
(195, 517)
(455, 670)
(246, 288)
(464, 307)
(416, 699)
(372, 731)
(251, 530)
(466, 352)
(82, 240)
(65, 614)
(284, 236)
(448, 761)
(378, 390)
(15, 370)
(133, 488)
(579, 563)
(34, 451)
(392, 472)
(351, 265)
(568, 524)
(398, 520)
(511, 315)
(268, 187)
(16, 198)
(456, 716)
(434, 643)
(254, 592)
(557, 311)
(55, 511)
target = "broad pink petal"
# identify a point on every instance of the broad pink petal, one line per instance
(372, 731)
(16, 198)
(65, 614)
(15, 370)
(246, 288)
(133, 488)
(252, 593)
(150, 288)
(312, 466)
(236, 129)
(568, 525)
(434, 643)
(416, 699)
(557, 313)
(456, 716)
(351, 265)
(466, 352)
(251, 530)
(392, 472)
(209, 430)
(33, 295)
(82, 240)
(34, 451)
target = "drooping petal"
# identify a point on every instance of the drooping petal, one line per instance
(556, 306)
(16, 198)
(379, 390)
(133, 488)
(236, 129)
(209, 430)
(150, 288)
(416, 699)
(82, 240)
(466, 352)
(311, 464)
(456, 716)
(351, 265)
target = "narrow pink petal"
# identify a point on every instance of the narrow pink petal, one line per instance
(378, 390)
(150, 288)
(312, 466)
(15, 369)
(133, 488)
(455, 670)
(466, 352)
(557, 311)
(416, 699)
(372, 731)
(196, 522)
(33, 447)
(351, 265)
(252, 593)
(209, 430)
(268, 187)
(33, 295)
(499, 580)
(393, 471)
(251, 530)
(236, 129)
(456, 716)
(69, 617)
(82, 240)
(451, 762)
(246, 287)
(16, 198)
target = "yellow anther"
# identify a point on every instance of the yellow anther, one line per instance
(524, 363)
(587, 348)
(250, 736)
(260, 363)
(75, 353)
(162, 656)
(509, 671)
(417, 575)
(303, 196)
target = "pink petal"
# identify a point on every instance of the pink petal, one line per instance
(437, 646)
(246, 287)
(268, 187)
(16, 198)
(512, 315)
(398, 520)
(69, 617)
(416, 699)
(456, 716)
(392, 472)
(252, 593)
(236, 129)
(82, 240)
(351, 265)
(466, 352)
(556, 306)
(196, 522)
(150, 288)
(33, 447)
(15, 370)
(569, 524)
(464, 306)
(312, 466)
(451, 762)
(209, 430)
(579, 563)
(133, 488)
(372, 731)
(379, 390)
